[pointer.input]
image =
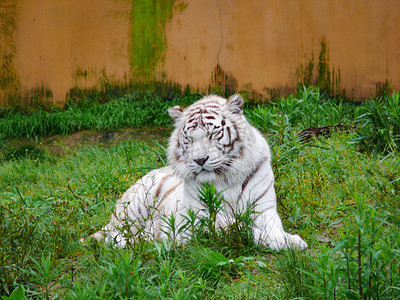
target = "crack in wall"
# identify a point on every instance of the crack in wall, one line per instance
(220, 29)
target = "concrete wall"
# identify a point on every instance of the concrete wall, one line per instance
(266, 47)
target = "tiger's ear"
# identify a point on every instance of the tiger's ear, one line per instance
(175, 112)
(235, 104)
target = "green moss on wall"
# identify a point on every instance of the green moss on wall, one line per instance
(12, 94)
(222, 83)
(148, 38)
(323, 80)
(383, 88)
(321, 74)
(9, 82)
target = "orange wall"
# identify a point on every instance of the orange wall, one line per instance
(265, 42)
(58, 40)
(265, 46)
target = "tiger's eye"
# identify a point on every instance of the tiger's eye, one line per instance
(187, 139)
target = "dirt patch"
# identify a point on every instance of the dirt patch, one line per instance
(61, 144)
(326, 131)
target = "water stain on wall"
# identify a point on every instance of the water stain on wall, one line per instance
(148, 38)
(64, 45)
(9, 82)
(320, 73)
(222, 83)
(351, 45)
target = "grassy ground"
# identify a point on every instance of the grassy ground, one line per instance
(343, 202)
(134, 110)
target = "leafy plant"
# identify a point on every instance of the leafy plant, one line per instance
(128, 278)
(290, 266)
(379, 131)
(368, 264)
(173, 230)
(285, 144)
(236, 232)
(239, 234)
(45, 275)
(213, 202)
(192, 224)
(308, 108)
(17, 294)
(215, 266)
(124, 276)
(169, 282)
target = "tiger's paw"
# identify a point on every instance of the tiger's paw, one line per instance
(293, 241)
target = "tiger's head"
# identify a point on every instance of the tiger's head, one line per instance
(210, 140)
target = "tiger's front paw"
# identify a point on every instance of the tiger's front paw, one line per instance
(297, 242)
(287, 241)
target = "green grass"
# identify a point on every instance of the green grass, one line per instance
(135, 110)
(307, 108)
(378, 120)
(380, 125)
(326, 187)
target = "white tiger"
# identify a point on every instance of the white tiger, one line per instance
(212, 143)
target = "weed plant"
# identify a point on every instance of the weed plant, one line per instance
(213, 202)
(307, 108)
(362, 264)
(285, 119)
(129, 278)
(379, 130)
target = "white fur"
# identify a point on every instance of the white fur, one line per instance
(174, 189)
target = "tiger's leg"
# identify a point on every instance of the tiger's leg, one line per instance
(132, 214)
(140, 210)
(124, 223)
(268, 230)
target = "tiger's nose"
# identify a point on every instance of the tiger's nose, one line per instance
(201, 161)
